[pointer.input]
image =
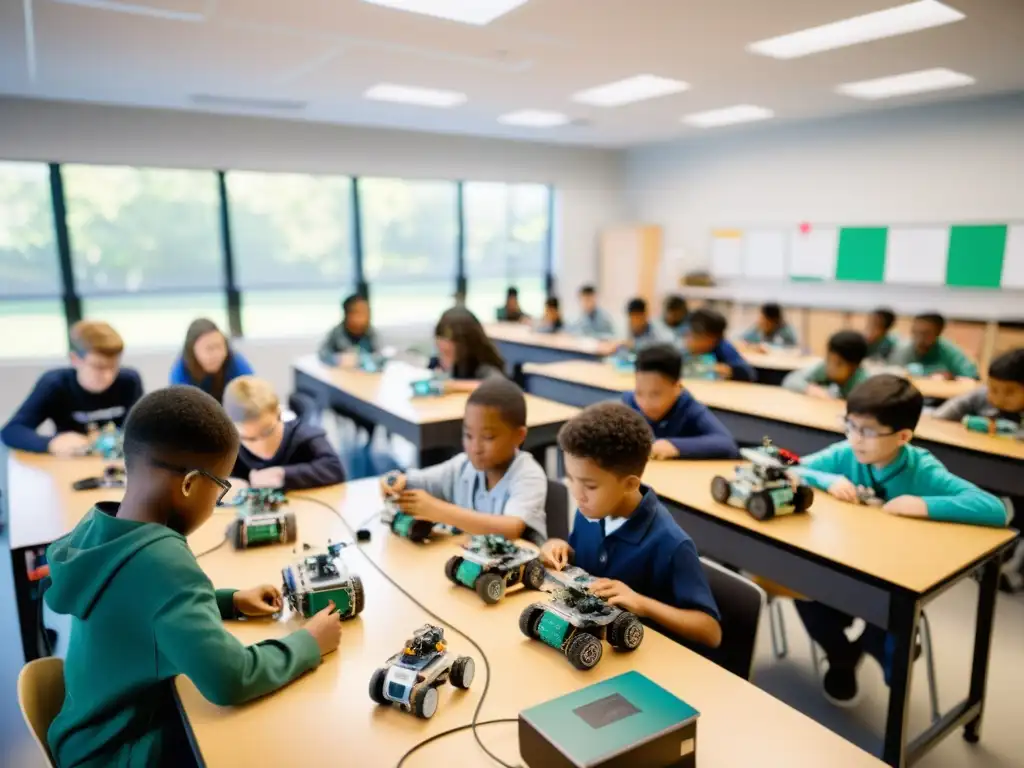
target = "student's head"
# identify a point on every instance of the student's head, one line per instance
(659, 368)
(636, 314)
(551, 309)
(179, 448)
(925, 331)
(462, 343)
(881, 416)
(606, 448)
(770, 319)
(707, 328)
(95, 354)
(1006, 382)
(357, 314)
(253, 407)
(846, 351)
(206, 353)
(588, 299)
(879, 323)
(495, 423)
(674, 310)
(512, 298)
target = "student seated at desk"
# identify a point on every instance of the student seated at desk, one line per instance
(931, 354)
(492, 487)
(674, 312)
(707, 337)
(512, 312)
(142, 610)
(464, 353)
(881, 415)
(1002, 398)
(274, 454)
(353, 334)
(551, 322)
(838, 373)
(639, 330)
(771, 329)
(881, 343)
(683, 427)
(593, 321)
(644, 562)
(207, 360)
(94, 391)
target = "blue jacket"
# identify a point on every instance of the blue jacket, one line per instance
(691, 427)
(306, 456)
(726, 353)
(238, 366)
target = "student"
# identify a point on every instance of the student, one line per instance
(464, 353)
(644, 562)
(552, 320)
(1002, 398)
(682, 426)
(594, 321)
(512, 312)
(493, 486)
(934, 355)
(274, 454)
(673, 317)
(707, 337)
(881, 415)
(639, 330)
(93, 392)
(143, 612)
(771, 329)
(353, 333)
(881, 342)
(207, 360)
(838, 373)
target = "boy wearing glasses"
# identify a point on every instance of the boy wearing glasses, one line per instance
(275, 454)
(881, 415)
(143, 612)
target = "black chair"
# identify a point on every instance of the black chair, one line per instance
(740, 603)
(556, 509)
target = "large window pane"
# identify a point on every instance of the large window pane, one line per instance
(409, 252)
(143, 229)
(32, 328)
(28, 253)
(279, 314)
(156, 320)
(291, 230)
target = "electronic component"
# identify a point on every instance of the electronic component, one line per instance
(764, 487)
(316, 580)
(261, 519)
(490, 564)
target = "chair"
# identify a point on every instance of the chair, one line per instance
(740, 603)
(40, 696)
(556, 510)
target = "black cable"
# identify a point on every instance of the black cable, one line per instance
(213, 549)
(417, 747)
(487, 664)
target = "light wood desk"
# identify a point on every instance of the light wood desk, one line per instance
(803, 424)
(520, 344)
(330, 712)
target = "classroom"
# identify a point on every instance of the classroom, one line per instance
(360, 359)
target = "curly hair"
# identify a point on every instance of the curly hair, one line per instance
(612, 435)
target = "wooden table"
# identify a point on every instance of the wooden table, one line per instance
(329, 712)
(432, 424)
(520, 344)
(801, 423)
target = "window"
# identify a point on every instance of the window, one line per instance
(506, 245)
(156, 320)
(409, 249)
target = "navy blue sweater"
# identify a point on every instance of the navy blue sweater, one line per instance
(725, 352)
(59, 397)
(692, 428)
(307, 458)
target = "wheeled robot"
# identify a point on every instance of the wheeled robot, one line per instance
(623, 361)
(700, 367)
(411, 678)
(432, 387)
(316, 580)
(401, 524)
(262, 519)
(994, 427)
(491, 564)
(575, 622)
(764, 487)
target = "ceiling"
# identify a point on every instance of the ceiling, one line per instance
(313, 59)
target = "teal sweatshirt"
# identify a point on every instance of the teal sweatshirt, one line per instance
(914, 472)
(798, 381)
(942, 357)
(143, 613)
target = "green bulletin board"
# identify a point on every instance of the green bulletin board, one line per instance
(861, 254)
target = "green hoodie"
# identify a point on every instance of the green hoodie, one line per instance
(143, 612)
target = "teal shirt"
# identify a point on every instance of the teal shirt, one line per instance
(785, 336)
(943, 357)
(883, 348)
(914, 472)
(798, 381)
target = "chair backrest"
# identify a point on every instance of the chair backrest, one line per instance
(556, 509)
(740, 603)
(40, 696)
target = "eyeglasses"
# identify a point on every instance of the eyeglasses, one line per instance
(867, 433)
(262, 435)
(224, 485)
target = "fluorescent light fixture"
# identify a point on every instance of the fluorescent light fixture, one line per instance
(902, 85)
(477, 12)
(891, 22)
(409, 94)
(534, 118)
(741, 113)
(636, 88)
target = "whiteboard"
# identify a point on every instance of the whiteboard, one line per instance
(916, 255)
(764, 253)
(1013, 258)
(812, 254)
(727, 253)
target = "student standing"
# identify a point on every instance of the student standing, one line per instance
(931, 353)
(464, 353)
(771, 328)
(207, 360)
(353, 334)
(838, 373)
(881, 343)
(707, 337)
(593, 321)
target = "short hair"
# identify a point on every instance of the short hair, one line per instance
(247, 398)
(886, 315)
(851, 346)
(891, 399)
(95, 336)
(1009, 366)
(551, 302)
(675, 303)
(708, 322)
(588, 290)
(504, 396)
(178, 420)
(660, 358)
(512, 293)
(934, 318)
(612, 435)
(351, 300)
(636, 306)
(772, 311)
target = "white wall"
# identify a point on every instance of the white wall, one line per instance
(960, 161)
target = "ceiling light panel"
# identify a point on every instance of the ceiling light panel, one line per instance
(476, 12)
(740, 113)
(901, 20)
(534, 118)
(421, 97)
(632, 89)
(922, 81)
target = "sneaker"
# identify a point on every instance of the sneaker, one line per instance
(839, 686)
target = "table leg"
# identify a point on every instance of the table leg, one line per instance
(903, 627)
(982, 644)
(27, 607)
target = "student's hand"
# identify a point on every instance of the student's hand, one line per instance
(555, 554)
(325, 627)
(618, 594)
(941, 376)
(663, 449)
(907, 506)
(258, 601)
(392, 491)
(347, 359)
(271, 477)
(68, 444)
(723, 370)
(815, 390)
(421, 505)
(843, 490)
